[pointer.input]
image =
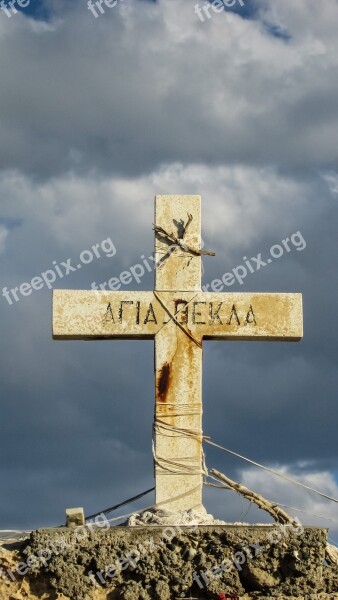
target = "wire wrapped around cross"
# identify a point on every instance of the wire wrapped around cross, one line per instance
(183, 465)
(179, 240)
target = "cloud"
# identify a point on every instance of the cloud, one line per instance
(3, 237)
(309, 508)
(332, 181)
(91, 388)
(317, 511)
(142, 85)
(96, 117)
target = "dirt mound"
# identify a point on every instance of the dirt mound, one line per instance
(165, 563)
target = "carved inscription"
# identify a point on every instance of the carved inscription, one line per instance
(185, 313)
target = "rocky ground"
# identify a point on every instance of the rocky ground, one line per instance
(157, 563)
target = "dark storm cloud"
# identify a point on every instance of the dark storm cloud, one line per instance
(98, 115)
(142, 85)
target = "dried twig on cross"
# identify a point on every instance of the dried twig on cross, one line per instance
(178, 241)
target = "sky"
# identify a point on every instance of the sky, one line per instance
(98, 114)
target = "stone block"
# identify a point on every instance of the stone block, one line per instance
(75, 517)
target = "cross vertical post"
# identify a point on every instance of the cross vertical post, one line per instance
(178, 361)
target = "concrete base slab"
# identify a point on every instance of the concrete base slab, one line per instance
(165, 563)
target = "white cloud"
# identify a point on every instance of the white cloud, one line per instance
(148, 83)
(293, 496)
(3, 237)
(240, 205)
(331, 179)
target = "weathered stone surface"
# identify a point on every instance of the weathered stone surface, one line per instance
(81, 314)
(183, 271)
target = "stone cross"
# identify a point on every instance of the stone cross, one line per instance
(178, 315)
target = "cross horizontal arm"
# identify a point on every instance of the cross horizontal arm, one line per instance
(229, 316)
(256, 317)
(81, 314)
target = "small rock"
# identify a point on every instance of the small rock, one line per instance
(189, 554)
(171, 547)
(260, 578)
(165, 559)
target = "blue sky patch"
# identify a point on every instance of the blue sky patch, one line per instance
(248, 11)
(277, 31)
(36, 9)
(10, 223)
